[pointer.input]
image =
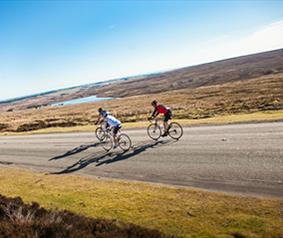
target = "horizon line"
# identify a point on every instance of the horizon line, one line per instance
(18, 98)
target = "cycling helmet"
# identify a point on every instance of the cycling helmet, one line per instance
(103, 112)
(153, 103)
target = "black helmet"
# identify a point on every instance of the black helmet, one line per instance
(100, 109)
(154, 102)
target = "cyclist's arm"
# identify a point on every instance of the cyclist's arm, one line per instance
(155, 113)
(98, 120)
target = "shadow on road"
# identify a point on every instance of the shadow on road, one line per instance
(113, 157)
(76, 150)
(135, 151)
(82, 163)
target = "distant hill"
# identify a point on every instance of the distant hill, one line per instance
(215, 73)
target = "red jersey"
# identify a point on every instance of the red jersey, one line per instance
(161, 109)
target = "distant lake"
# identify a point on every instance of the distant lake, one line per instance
(79, 100)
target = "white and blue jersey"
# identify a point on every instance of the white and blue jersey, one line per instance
(112, 121)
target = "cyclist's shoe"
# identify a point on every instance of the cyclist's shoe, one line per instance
(164, 134)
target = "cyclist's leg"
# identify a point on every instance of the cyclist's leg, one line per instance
(115, 132)
(166, 119)
(165, 124)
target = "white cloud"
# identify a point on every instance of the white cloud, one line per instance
(267, 38)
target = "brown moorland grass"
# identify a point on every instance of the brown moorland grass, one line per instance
(254, 117)
(172, 210)
(259, 94)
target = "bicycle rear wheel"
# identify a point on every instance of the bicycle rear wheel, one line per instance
(100, 133)
(154, 131)
(107, 142)
(125, 142)
(175, 130)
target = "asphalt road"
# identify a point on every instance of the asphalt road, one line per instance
(241, 158)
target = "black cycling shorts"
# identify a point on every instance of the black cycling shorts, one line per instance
(167, 116)
(116, 129)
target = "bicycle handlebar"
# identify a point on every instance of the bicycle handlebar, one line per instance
(153, 119)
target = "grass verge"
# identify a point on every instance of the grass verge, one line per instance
(20, 220)
(264, 116)
(179, 211)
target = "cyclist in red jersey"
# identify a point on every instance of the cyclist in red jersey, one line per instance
(166, 111)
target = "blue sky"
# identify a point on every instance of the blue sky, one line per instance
(48, 45)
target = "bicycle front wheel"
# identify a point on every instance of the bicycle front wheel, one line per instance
(175, 130)
(154, 131)
(107, 143)
(100, 133)
(125, 142)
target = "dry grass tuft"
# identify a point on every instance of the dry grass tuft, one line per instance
(23, 220)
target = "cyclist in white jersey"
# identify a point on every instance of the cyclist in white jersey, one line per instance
(116, 125)
(111, 121)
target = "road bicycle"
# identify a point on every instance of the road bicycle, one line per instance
(107, 138)
(154, 131)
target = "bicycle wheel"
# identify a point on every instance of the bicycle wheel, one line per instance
(154, 131)
(100, 133)
(107, 142)
(175, 130)
(125, 142)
